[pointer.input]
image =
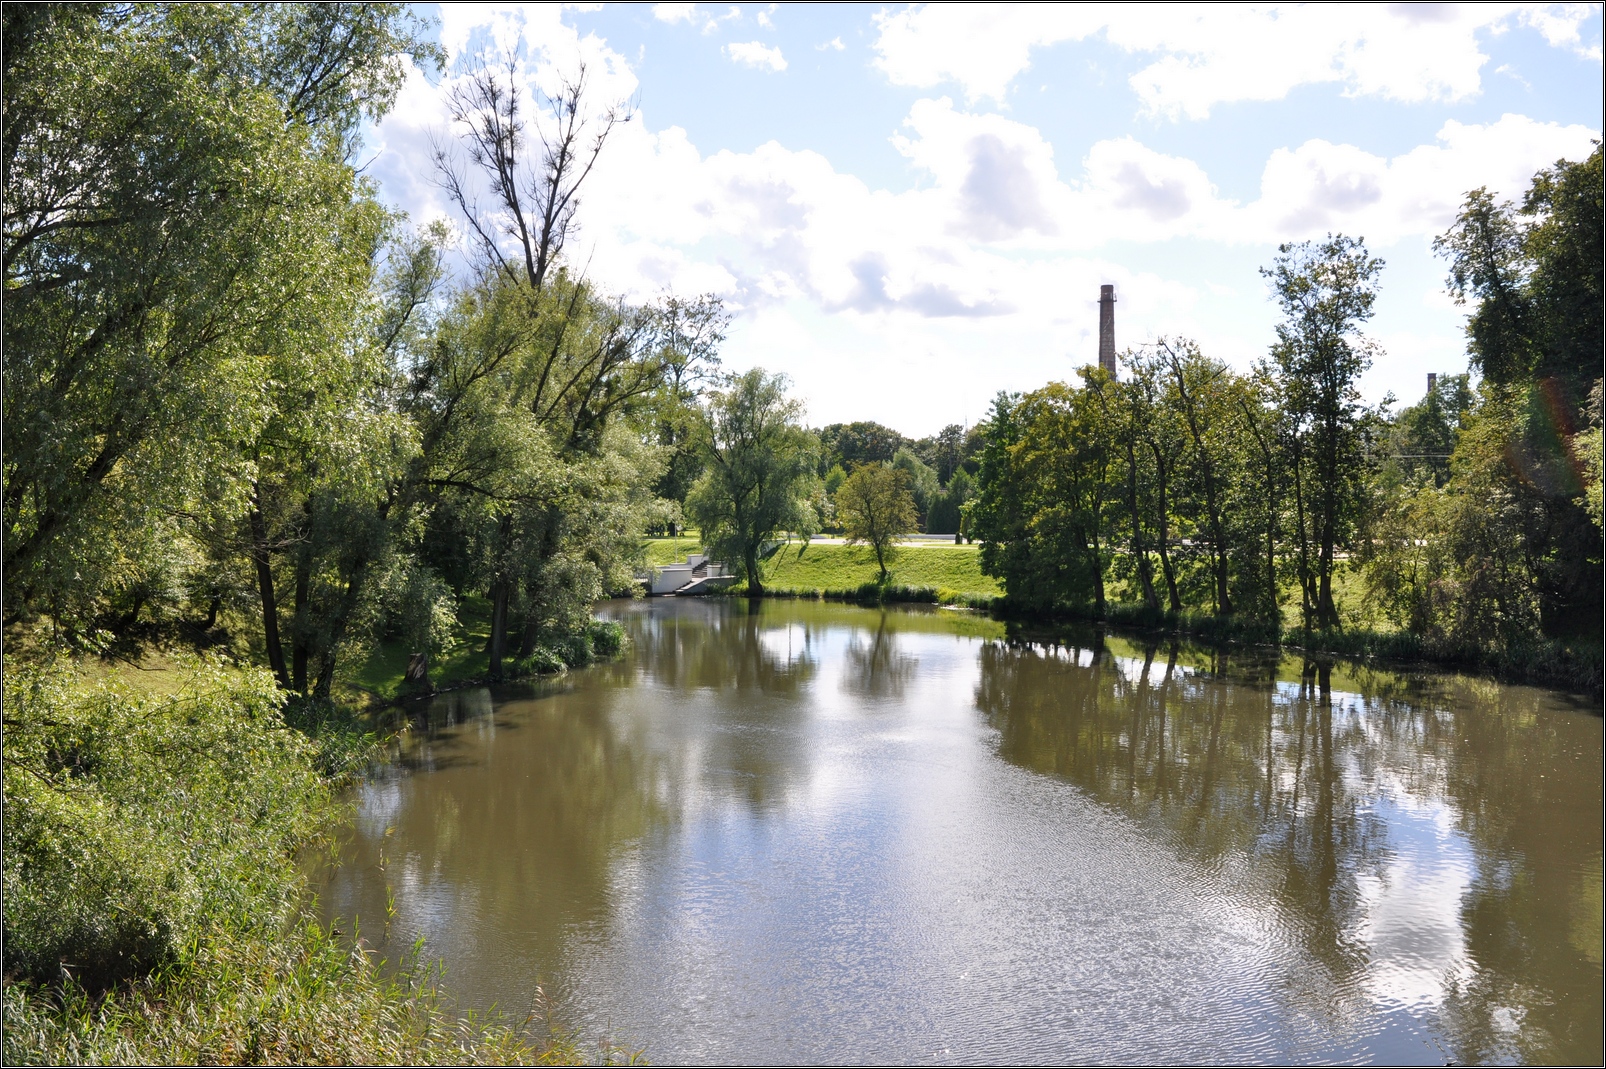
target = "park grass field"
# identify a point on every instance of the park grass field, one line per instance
(661, 551)
(832, 568)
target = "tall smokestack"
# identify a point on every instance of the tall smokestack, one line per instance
(1433, 380)
(1107, 329)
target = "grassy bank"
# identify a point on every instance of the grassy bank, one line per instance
(154, 911)
(952, 575)
(947, 573)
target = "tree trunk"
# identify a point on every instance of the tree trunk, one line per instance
(1271, 514)
(1165, 532)
(1305, 592)
(1139, 551)
(270, 604)
(755, 585)
(1326, 611)
(498, 641)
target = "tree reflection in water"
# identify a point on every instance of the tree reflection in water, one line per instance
(1398, 825)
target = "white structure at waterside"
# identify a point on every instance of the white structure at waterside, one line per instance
(698, 575)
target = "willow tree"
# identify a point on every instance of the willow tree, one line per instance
(758, 471)
(181, 226)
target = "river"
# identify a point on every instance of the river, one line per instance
(802, 832)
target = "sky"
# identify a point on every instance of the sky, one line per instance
(907, 209)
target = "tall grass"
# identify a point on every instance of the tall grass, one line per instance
(306, 997)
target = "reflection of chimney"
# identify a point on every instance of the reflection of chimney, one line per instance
(1107, 329)
(1433, 380)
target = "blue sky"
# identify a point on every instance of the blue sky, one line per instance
(909, 208)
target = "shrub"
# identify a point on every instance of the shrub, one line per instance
(542, 661)
(134, 822)
(607, 638)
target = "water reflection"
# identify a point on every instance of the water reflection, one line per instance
(875, 667)
(804, 832)
(1428, 841)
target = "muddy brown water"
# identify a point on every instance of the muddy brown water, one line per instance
(802, 832)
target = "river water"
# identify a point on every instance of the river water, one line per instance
(802, 832)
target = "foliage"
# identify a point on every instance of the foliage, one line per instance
(1041, 511)
(304, 997)
(875, 508)
(179, 218)
(853, 444)
(135, 823)
(1325, 290)
(759, 463)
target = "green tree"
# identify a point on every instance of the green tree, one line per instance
(1325, 291)
(1563, 243)
(875, 508)
(181, 221)
(1544, 259)
(852, 444)
(1487, 263)
(1044, 487)
(922, 480)
(758, 477)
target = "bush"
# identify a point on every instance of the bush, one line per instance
(607, 638)
(541, 662)
(135, 822)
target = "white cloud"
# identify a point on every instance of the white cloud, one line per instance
(834, 45)
(997, 249)
(1320, 186)
(1212, 54)
(674, 12)
(756, 54)
(1560, 24)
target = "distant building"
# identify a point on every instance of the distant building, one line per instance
(1107, 329)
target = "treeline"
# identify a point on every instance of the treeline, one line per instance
(246, 402)
(939, 471)
(1470, 520)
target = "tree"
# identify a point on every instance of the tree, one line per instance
(567, 361)
(1544, 260)
(1325, 291)
(852, 444)
(875, 509)
(181, 224)
(922, 481)
(1485, 249)
(689, 333)
(537, 192)
(1045, 481)
(1563, 243)
(758, 478)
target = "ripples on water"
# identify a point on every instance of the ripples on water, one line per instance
(805, 832)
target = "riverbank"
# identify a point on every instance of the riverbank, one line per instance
(154, 911)
(951, 575)
(1572, 666)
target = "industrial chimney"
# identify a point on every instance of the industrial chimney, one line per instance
(1107, 329)
(1433, 380)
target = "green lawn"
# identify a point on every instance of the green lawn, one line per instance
(834, 567)
(661, 551)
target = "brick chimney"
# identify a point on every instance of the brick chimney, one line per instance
(1107, 329)
(1433, 380)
